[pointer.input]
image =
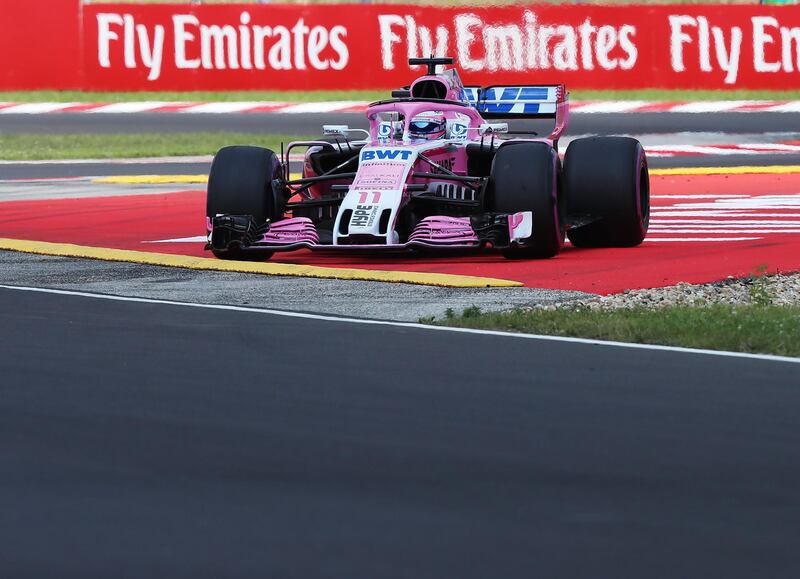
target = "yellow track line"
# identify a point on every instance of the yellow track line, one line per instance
(264, 268)
(754, 170)
(675, 171)
(159, 179)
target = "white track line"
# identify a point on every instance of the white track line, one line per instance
(703, 239)
(604, 343)
(320, 107)
(719, 213)
(219, 108)
(703, 150)
(771, 147)
(36, 108)
(133, 107)
(712, 106)
(723, 230)
(790, 107)
(702, 196)
(195, 239)
(607, 107)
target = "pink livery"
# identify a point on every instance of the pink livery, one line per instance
(433, 169)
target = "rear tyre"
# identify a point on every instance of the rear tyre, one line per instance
(606, 179)
(240, 183)
(524, 177)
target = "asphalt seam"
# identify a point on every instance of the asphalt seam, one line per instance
(338, 319)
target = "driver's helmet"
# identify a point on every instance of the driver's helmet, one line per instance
(428, 125)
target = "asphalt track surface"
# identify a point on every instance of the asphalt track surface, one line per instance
(94, 169)
(206, 443)
(144, 440)
(309, 124)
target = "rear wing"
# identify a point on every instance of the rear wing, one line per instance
(516, 101)
(522, 102)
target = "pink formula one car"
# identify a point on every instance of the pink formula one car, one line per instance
(433, 173)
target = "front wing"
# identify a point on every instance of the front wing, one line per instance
(236, 233)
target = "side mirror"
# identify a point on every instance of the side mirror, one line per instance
(335, 129)
(342, 131)
(492, 128)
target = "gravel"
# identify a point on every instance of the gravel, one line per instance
(367, 299)
(778, 290)
(359, 299)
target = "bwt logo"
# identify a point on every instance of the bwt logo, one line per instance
(386, 154)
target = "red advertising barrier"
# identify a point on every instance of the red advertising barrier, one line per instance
(268, 46)
(40, 44)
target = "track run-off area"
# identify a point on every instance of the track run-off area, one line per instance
(706, 224)
(175, 423)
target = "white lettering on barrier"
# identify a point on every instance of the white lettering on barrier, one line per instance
(217, 38)
(727, 54)
(776, 48)
(528, 45)
(761, 38)
(338, 33)
(105, 36)
(130, 57)
(235, 46)
(419, 39)
(695, 44)
(503, 47)
(465, 37)
(606, 41)
(481, 45)
(388, 38)
(134, 35)
(628, 46)
(728, 59)
(678, 39)
(182, 38)
(152, 54)
(790, 38)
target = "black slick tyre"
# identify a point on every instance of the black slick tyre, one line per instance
(524, 177)
(607, 183)
(240, 183)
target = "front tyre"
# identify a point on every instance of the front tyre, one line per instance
(607, 184)
(524, 177)
(240, 183)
